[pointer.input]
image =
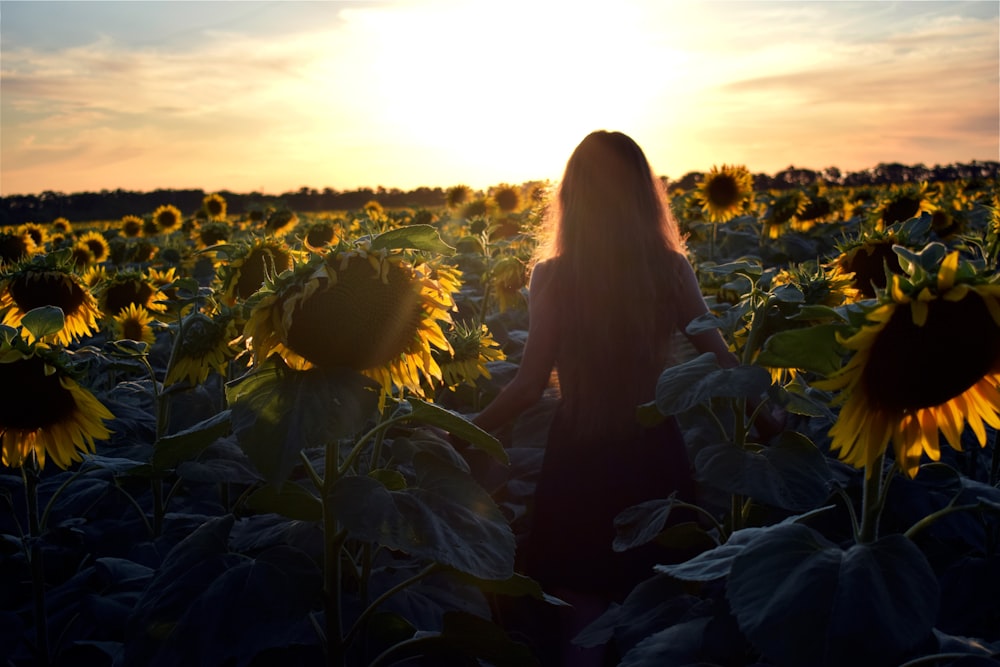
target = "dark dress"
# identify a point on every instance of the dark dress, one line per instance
(583, 486)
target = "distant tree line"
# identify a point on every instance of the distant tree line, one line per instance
(114, 204)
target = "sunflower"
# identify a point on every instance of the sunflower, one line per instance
(206, 344)
(281, 222)
(902, 203)
(129, 287)
(723, 192)
(97, 244)
(48, 283)
(472, 348)
(131, 226)
(37, 232)
(375, 313)
(246, 273)
(94, 276)
(894, 389)
(457, 195)
(133, 323)
(44, 413)
(16, 246)
(320, 234)
(212, 233)
(167, 218)
(868, 260)
(214, 206)
(783, 210)
(62, 225)
(507, 277)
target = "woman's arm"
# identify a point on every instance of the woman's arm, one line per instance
(690, 305)
(537, 360)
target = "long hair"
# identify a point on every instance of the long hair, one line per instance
(615, 247)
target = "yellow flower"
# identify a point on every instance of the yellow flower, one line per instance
(131, 226)
(133, 323)
(902, 203)
(129, 287)
(928, 360)
(507, 277)
(472, 348)
(16, 246)
(253, 264)
(280, 222)
(215, 206)
(723, 192)
(206, 344)
(97, 244)
(375, 313)
(867, 260)
(44, 413)
(167, 218)
(37, 284)
(37, 232)
(62, 226)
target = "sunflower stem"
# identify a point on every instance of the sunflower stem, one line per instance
(333, 542)
(371, 608)
(29, 473)
(950, 508)
(871, 505)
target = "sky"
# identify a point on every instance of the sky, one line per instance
(274, 96)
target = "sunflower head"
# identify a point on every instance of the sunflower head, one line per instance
(507, 277)
(47, 281)
(214, 206)
(206, 343)
(44, 413)
(251, 264)
(373, 312)
(62, 225)
(472, 348)
(507, 197)
(97, 244)
(131, 226)
(212, 233)
(167, 218)
(926, 361)
(902, 203)
(870, 259)
(457, 195)
(39, 235)
(321, 234)
(16, 246)
(723, 192)
(133, 322)
(129, 287)
(280, 222)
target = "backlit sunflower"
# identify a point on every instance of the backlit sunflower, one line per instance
(206, 344)
(281, 222)
(507, 277)
(81, 256)
(129, 287)
(723, 192)
(39, 235)
(214, 206)
(131, 226)
(97, 244)
(15, 246)
(869, 259)
(49, 283)
(321, 234)
(472, 348)
(44, 413)
(375, 313)
(167, 218)
(902, 203)
(928, 360)
(133, 323)
(251, 265)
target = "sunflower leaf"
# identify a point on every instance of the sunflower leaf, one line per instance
(289, 499)
(412, 237)
(443, 515)
(190, 442)
(684, 386)
(803, 600)
(44, 321)
(813, 349)
(435, 415)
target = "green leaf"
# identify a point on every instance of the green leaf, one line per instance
(791, 474)
(443, 516)
(277, 412)
(811, 349)
(412, 237)
(640, 524)
(517, 585)
(684, 386)
(457, 425)
(788, 294)
(802, 600)
(44, 321)
(189, 443)
(289, 500)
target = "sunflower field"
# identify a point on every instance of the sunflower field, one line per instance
(224, 436)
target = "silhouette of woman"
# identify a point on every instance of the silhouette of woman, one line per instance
(607, 293)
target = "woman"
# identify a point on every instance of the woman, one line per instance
(606, 296)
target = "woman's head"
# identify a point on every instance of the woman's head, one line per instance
(609, 194)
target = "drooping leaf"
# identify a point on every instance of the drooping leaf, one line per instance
(813, 349)
(443, 516)
(434, 415)
(412, 237)
(684, 386)
(803, 600)
(791, 474)
(44, 321)
(277, 412)
(189, 443)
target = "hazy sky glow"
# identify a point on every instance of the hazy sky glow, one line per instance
(273, 96)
